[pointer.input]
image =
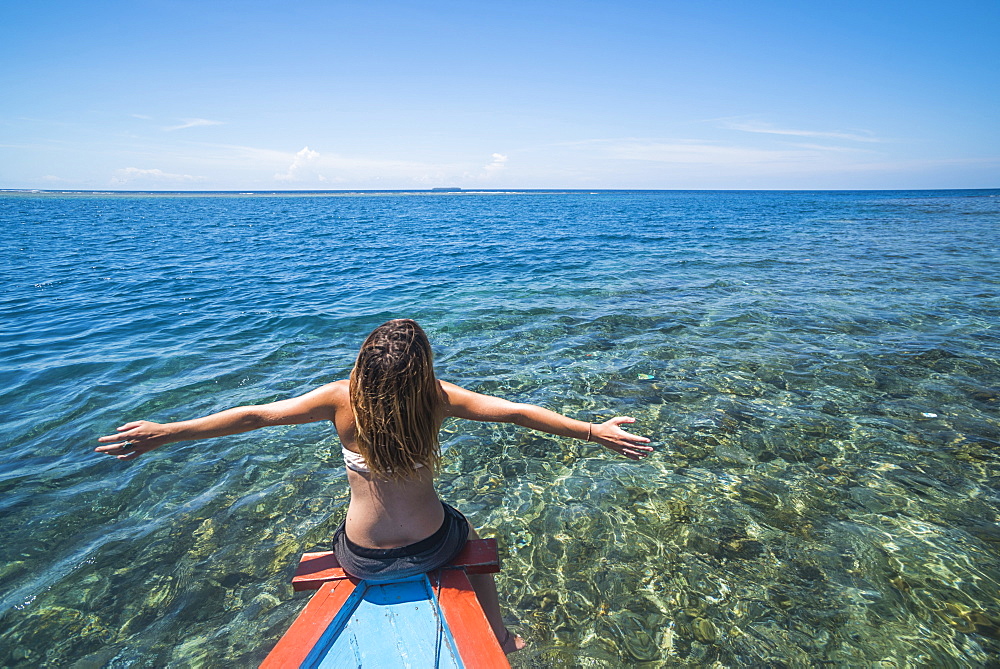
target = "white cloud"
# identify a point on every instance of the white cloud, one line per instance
(498, 162)
(768, 129)
(699, 152)
(303, 167)
(722, 157)
(831, 149)
(192, 123)
(308, 166)
(660, 162)
(135, 174)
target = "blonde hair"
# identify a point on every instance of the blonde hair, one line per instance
(396, 401)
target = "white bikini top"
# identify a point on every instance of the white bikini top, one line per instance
(356, 461)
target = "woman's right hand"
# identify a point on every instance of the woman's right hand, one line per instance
(134, 439)
(610, 435)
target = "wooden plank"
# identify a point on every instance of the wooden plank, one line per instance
(474, 637)
(315, 569)
(479, 556)
(309, 627)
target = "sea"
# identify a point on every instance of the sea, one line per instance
(819, 373)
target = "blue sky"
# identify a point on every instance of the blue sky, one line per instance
(220, 95)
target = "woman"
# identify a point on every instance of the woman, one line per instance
(387, 416)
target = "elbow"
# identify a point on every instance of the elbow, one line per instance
(517, 414)
(253, 419)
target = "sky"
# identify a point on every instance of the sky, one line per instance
(713, 94)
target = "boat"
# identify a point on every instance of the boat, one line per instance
(428, 620)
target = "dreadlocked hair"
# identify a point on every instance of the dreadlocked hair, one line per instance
(396, 401)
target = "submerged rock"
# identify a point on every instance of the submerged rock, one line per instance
(704, 630)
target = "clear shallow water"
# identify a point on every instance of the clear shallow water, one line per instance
(821, 373)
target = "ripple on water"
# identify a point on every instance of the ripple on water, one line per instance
(821, 374)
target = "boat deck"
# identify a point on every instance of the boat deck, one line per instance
(430, 620)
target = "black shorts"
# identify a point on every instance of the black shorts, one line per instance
(386, 564)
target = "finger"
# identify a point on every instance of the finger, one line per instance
(113, 438)
(129, 426)
(122, 432)
(117, 448)
(634, 438)
(110, 447)
(619, 420)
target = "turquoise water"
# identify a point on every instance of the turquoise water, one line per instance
(820, 373)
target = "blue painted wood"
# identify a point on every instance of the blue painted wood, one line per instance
(397, 624)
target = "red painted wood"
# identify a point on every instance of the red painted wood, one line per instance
(473, 635)
(298, 641)
(479, 556)
(315, 569)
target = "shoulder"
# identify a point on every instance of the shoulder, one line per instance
(335, 396)
(332, 398)
(451, 393)
(446, 386)
(451, 396)
(337, 393)
(341, 387)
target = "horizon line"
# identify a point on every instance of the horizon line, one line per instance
(472, 191)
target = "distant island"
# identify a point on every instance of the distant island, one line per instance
(446, 190)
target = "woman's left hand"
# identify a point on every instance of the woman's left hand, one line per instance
(610, 435)
(134, 439)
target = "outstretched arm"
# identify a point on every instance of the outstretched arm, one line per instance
(138, 437)
(464, 403)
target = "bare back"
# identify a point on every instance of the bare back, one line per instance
(384, 514)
